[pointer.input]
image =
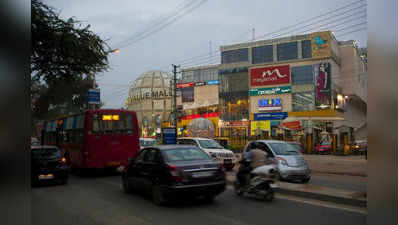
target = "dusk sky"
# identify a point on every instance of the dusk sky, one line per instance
(220, 22)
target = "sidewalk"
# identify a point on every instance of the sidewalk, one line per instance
(311, 191)
(331, 164)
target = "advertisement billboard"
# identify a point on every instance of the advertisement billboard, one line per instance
(270, 91)
(270, 104)
(322, 75)
(185, 85)
(270, 75)
(321, 45)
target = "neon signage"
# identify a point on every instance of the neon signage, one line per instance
(270, 104)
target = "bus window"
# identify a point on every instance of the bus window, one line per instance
(120, 123)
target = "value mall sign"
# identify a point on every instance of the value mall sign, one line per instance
(270, 75)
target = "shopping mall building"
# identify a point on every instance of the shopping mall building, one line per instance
(304, 88)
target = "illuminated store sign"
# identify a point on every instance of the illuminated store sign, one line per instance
(270, 104)
(270, 91)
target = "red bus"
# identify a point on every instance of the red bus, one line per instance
(103, 138)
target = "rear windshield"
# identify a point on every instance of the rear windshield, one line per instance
(210, 144)
(113, 123)
(325, 143)
(187, 154)
(46, 153)
(284, 149)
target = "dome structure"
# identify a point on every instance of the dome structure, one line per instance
(201, 127)
(150, 96)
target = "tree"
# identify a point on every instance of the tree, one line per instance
(64, 56)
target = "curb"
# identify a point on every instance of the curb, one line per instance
(322, 197)
(339, 173)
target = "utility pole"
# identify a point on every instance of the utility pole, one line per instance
(175, 93)
(254, 34)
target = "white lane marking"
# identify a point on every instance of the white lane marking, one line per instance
(318, 203)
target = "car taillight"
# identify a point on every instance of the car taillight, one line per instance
(175, 172)
(63, 160)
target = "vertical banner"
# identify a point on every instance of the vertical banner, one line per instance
(322, 79)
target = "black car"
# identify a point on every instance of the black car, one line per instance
(171, 171)
(48, 165)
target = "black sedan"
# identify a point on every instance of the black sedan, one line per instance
(174, 171)
(48, 165)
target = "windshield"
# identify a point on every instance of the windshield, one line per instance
(210, 144)
(187, 154)
(46, 153)
(146, 143)
(113, 123)
(296, 146)
(284, 149)
(325, 143)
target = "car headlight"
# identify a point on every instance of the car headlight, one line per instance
(282, 161)
(213, 154)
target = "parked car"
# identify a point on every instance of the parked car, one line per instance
(48, 165)
(168, 172)
(298, 146)
(34, 141)
(290, 163)
(323, 148)
(146, 142)
(213, 149)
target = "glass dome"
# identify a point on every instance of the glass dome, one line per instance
(201, 127)
(150, 81)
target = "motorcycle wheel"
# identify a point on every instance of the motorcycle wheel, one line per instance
(238, 189)
(269, 195)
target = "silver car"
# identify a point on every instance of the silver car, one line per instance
(290, 162)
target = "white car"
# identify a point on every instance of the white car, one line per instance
(211, 147)
(146, 142)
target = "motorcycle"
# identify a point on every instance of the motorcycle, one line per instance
(262, 183)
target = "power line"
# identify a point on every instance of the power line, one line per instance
(164, 25)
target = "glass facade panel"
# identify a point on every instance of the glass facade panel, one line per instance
(287, 51)
(239, 55)
(187, 94)
(306, 49)
(262, 54)
(199, 75)
(303, 101)
(302, 75)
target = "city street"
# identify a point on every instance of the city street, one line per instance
(100, 200)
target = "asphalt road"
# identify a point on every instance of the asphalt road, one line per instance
(100, 200)
(352, 183)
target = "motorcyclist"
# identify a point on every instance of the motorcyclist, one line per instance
(251, 159)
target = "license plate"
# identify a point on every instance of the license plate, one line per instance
(273, 185)
(227, 161)
(113, 163)
(202, 174)
(46, 176)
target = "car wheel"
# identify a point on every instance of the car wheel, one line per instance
(306, 180)
(158, 196)
(209, 198)
(278, 176)
(126, 185)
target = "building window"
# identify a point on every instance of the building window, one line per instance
(306, 49)
(303, 101)
(187, 76)
(287, 51)
(239, 55)
(234, 106)
(234, 83)
(187, 94)
(263, 54)
(302, 75)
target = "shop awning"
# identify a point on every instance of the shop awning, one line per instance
(313, 118)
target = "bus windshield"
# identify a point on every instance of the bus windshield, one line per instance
(113, 123)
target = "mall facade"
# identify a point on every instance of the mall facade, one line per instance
(296, 88)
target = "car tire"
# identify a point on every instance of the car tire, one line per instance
(126, 186)
(306, 180)
(269, 196)
(278, 176)
(238, 189)
(209, 198)
(158, 197)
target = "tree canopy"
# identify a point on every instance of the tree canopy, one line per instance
(64, 56)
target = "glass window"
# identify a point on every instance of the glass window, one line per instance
(302, 75)
(239, 55)
(263, 54)
(287, 51)
(210, 144)
(150, 155)
(303, 101)
(115, 123)
(306, 49)
(46, 153)
(186, 154)
(187, 94)
(283, 149)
